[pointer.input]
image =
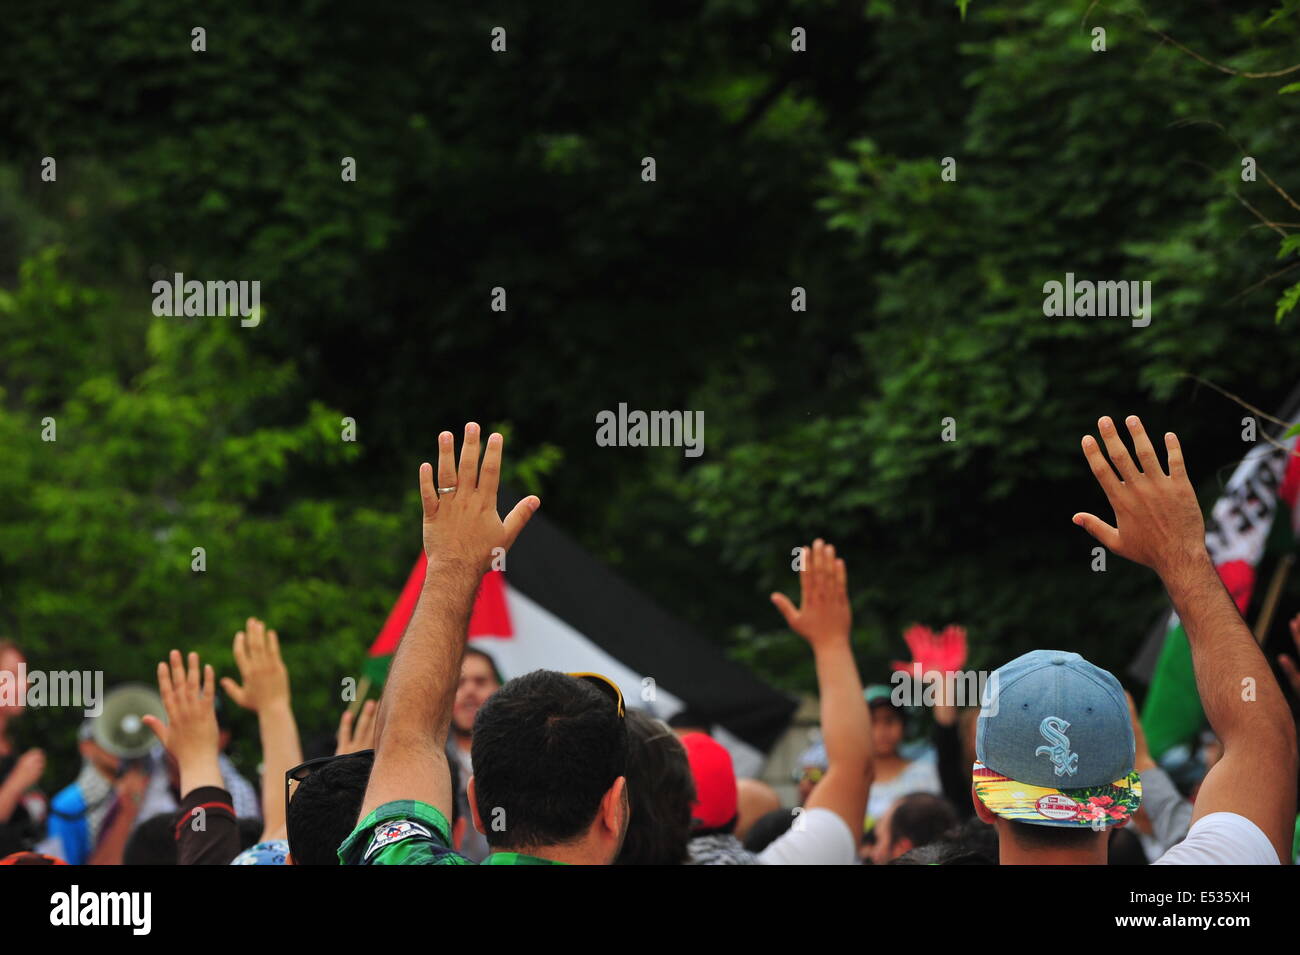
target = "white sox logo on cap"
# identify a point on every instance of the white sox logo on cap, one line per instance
(1053, 729)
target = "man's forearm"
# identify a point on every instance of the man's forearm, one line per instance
(112, 844)
(205, 770)
(421, 685)
(281, 751)
(846, 723)
(1224, 653)
(846, 733)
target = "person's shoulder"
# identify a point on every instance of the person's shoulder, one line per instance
(402, 832)
(817, 836)
(1222, 838)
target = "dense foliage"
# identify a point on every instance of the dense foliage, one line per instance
(523, 170)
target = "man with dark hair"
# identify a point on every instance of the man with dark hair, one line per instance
(409, 796)
(323, 808)
(550, 757)
(913, 821)
(1055, 745)
(970, 842)
(479, 679)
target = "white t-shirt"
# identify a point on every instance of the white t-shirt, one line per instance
(817, 837)
(1222, 838)
(919, 776)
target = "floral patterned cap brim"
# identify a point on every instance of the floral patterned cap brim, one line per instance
(1098, 807)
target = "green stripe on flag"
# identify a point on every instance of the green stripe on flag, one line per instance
(1172, 713)
(376, 668)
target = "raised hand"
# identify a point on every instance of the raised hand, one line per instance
(823, 613)
(823, 619)
(1158, 522)
(190, 733)
(461, 525)
(265, 691)
(932, 652)
(462, 534)
(353, 739)
(266, 679)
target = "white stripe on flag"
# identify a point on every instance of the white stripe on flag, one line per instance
(543, 641)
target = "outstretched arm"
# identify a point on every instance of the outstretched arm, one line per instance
(191, 736)
(1158, 523)
(823, 619)
(461, 531)
(265, 691)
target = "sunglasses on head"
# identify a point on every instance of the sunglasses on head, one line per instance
(606, 686)
(303, 770)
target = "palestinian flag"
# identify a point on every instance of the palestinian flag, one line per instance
(556, 607)
(1258, 501)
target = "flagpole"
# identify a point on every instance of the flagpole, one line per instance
(1265, 619)
(363, 688)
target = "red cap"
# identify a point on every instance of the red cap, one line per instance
(715, 782)
(30, 858)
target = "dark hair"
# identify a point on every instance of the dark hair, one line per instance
(546, 749)
(970, 843)
(476, 652)
(920, 818)
(324, 808)
(153, 842)
(769, 827)
(661, 793)
(1053, 837)
(688, 719)
(1125, 849)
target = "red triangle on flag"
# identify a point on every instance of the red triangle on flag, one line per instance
(490, 617)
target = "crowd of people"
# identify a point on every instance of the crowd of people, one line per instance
(456, 766)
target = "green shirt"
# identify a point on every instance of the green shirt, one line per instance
(410, 832)
(403, 832)
(517, 858)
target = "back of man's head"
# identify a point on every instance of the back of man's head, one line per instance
(1055, 753)
(324, 809)
(547, 747)
(968, 843)
(918, 820)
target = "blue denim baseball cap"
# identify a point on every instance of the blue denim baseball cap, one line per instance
(1055, 744)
